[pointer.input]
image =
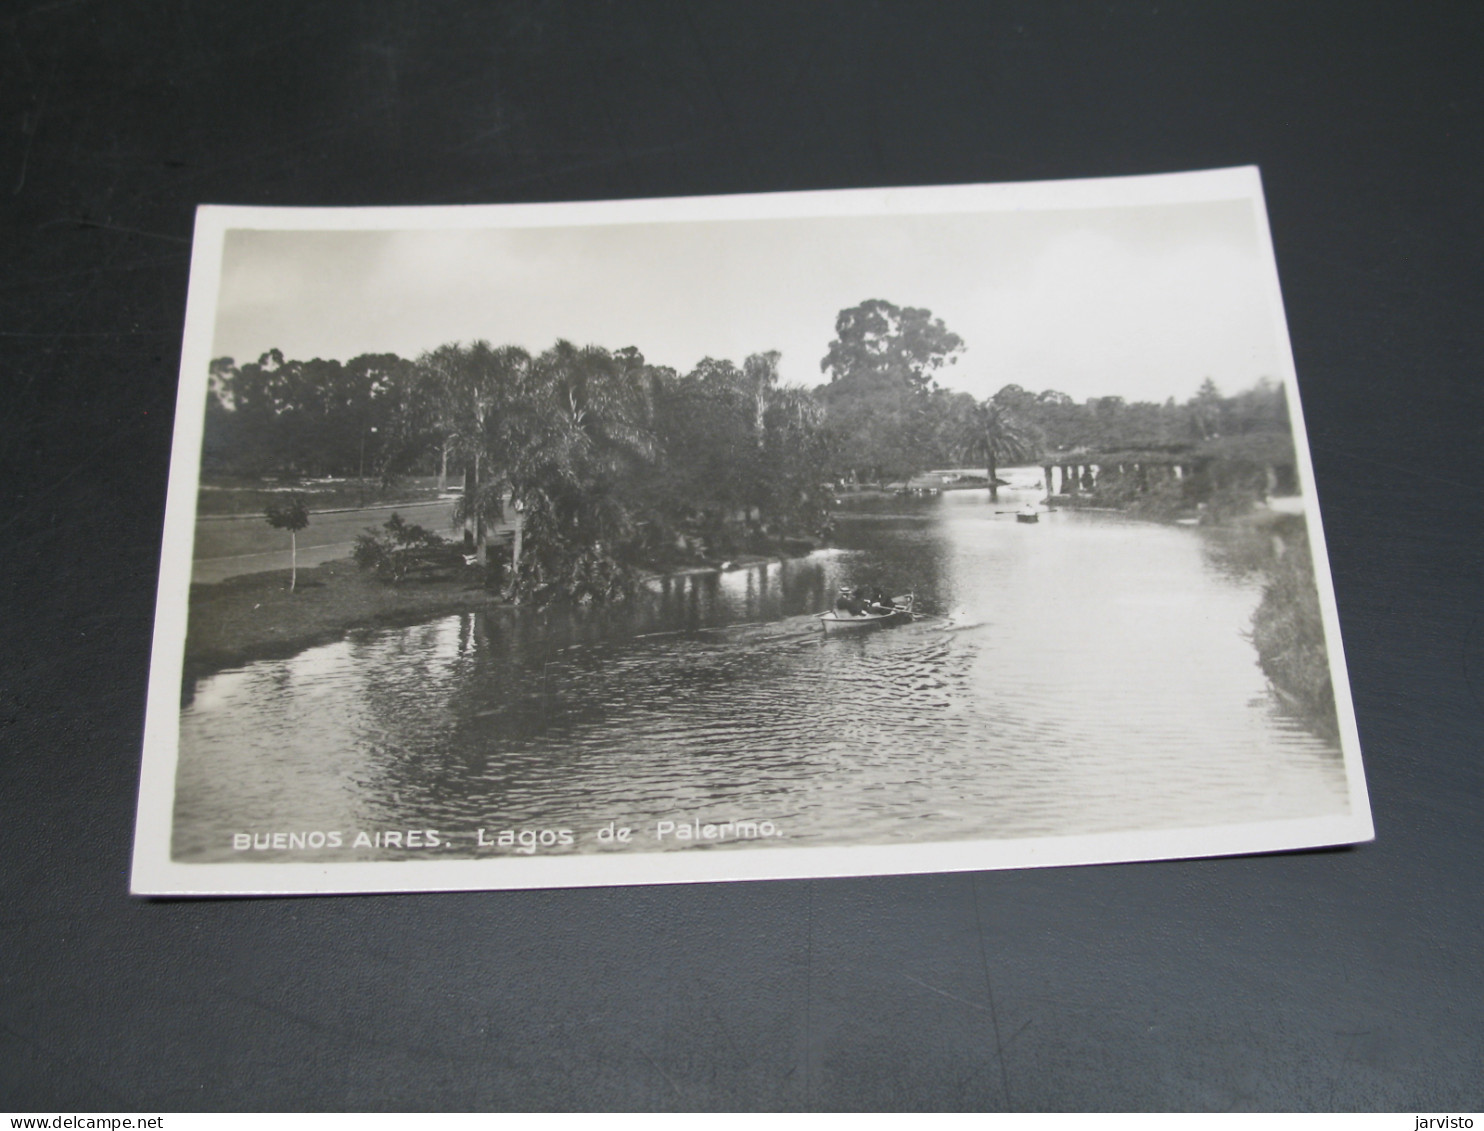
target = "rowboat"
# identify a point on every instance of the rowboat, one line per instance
(836, 620)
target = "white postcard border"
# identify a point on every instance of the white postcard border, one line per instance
(156, 873)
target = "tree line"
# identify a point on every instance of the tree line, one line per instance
(615, 463)
(889, 418)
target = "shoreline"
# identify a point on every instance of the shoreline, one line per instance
(255, 617)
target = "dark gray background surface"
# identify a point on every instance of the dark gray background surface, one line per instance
(1340, 979)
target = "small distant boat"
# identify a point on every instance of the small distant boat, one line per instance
(837, 620)
(1027, 513)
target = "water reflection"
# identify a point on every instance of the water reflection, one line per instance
(1084, 674)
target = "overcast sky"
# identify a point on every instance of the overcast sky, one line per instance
(1142, 302)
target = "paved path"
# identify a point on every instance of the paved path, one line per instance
(227, 547)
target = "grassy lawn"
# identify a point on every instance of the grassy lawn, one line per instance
(220, 495)
(256, 617)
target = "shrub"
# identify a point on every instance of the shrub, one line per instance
(403, 547)
(1288, 633)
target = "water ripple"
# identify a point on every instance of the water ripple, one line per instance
(1082, 675)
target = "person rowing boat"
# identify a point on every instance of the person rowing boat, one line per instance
(861, 601)
(861, 608)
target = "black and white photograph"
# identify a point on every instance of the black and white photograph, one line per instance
(835, 533)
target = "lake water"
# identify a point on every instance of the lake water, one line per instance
(1083, 674)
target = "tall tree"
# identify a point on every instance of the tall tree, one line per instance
(480, 408)
(795, 459)
(1206, 411)
(878, 344)
(881, 365)
(380, 405)
(760, 377)
(580, 432)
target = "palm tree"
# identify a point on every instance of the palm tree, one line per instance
(478, 393)
(993, 433)
(579, 429)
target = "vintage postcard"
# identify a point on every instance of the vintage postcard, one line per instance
(808, 534)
